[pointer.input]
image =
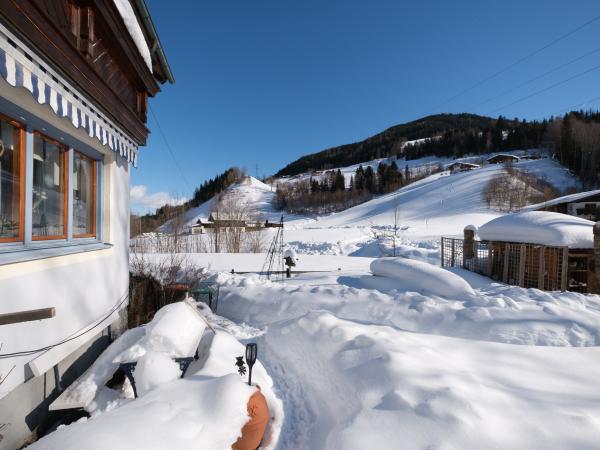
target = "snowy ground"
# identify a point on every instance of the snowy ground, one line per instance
(404, 354)
(362, 363)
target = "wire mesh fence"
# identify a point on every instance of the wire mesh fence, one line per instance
(520, 264)
(169, 243)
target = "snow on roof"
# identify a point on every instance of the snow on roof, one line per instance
(462, 163)
(564, 199)
(133, 26)
(504, 155)
(540, 227)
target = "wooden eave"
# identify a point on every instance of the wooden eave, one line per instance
(114, 20)
(61, 54)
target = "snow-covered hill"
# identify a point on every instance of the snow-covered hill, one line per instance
(250, 192)
(441, 204)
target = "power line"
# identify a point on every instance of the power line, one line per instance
(87, 329)
(531, 80)
(578, 105)
(513, 64)
(552, 86)
(169, 148)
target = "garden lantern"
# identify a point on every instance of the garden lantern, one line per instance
(251, 351)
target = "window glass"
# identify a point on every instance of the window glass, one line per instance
(84, 196)
(49, 189)
(11, 160)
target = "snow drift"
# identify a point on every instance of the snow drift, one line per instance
(422, 277)
(204, 410)
(540, 227)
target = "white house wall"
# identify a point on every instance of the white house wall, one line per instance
(83, 287)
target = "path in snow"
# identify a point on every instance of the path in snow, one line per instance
(361, 368)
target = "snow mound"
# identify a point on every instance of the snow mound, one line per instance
(175, 331)
(184, 414)
(206, 409)
(540, 227)
(422, 277)
(154, 369)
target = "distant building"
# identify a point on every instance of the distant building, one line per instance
(581, 204)
(503, 158)
(461, 167)
(75, 77)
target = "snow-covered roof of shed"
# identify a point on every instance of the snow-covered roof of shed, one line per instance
(540, 227)
(564, 199)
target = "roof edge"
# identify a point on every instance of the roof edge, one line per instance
(156, 48)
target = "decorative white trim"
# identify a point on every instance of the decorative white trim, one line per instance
(21, 68)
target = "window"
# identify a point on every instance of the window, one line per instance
(84, 196)
(49, 207)
(12, 180)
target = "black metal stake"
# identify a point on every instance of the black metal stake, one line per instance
(251, 352)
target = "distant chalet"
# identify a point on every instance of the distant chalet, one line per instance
(582, 204)
(461, 167)
(503, 158)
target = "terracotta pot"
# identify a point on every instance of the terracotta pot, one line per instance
(254, 430)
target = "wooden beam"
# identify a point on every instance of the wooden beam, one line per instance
(27, 316)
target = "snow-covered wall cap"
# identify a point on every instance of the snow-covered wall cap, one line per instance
(135, 30)
(22, 68)
(540, 227)
(471, 228)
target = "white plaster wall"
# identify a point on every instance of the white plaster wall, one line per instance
(82, 287)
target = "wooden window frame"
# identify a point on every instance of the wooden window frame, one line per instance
(65, 165)
(22, 173)
(94, 162)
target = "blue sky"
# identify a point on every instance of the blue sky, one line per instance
(264, 82)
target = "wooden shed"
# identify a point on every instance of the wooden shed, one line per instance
(544, 250)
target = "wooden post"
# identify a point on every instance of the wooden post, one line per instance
(490, 261)
(597, 254)
(506, 263)
(452, 256)
(564, 279)
(468, 245)
(541, 268)
(522, 257)
(443, 241)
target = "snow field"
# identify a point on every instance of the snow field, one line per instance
(361, 368)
